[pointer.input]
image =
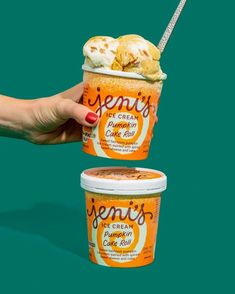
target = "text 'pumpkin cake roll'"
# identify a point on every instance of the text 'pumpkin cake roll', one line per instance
(123, 83)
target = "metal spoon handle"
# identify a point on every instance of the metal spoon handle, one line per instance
(162, 44)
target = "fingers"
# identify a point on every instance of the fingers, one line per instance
(82, 114)
(71, 131)
(74, 93)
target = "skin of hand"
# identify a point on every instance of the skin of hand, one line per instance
(51, 120)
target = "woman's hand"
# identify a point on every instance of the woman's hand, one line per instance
(52, 120)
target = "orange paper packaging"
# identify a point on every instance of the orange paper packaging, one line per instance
(122, 214)
(126, 104)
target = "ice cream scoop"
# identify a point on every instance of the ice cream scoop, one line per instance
(100, 51)
(129, 53)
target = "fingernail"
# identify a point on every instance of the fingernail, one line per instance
(91, 117)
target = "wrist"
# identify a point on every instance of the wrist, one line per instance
(15, 116)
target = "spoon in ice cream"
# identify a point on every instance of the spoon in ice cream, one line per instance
(166, 36)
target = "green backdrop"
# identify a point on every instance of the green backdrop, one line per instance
(43, 245)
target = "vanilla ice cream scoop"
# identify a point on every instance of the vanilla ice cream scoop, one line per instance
(100, 51)
(129, 53)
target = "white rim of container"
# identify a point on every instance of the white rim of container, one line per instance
(123, 74)
(123, 187)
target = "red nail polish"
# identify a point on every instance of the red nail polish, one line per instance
(91, 117)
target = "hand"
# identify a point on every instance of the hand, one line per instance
(52, 120)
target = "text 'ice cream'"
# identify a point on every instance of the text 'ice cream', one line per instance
(129, 53)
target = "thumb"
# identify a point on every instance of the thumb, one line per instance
(83, 115)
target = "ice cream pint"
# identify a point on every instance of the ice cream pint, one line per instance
(122, 207)
(123, 83)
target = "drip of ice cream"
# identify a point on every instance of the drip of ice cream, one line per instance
(122, 174)
(129, 53)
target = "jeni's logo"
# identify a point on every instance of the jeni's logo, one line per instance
(140, 104)
(103, 213)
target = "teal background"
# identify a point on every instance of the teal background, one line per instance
(43, 245)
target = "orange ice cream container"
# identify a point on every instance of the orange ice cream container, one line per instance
(126, 104)
(122, 207)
